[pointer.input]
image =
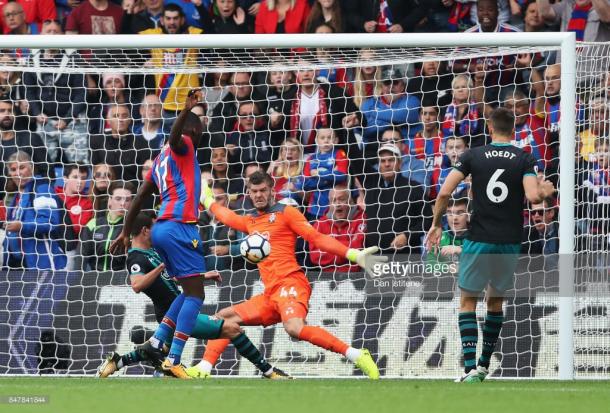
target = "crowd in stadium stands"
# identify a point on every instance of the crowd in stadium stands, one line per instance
(361, 151)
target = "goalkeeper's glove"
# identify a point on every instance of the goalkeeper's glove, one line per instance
(207, 195)
(365, 258)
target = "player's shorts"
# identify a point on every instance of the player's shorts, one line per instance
(288, 299)
(207, 328)
(483, 264)
(180, 247)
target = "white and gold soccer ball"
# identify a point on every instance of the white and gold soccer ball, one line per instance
(255, 248)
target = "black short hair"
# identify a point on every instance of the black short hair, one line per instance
(462, 138)
(143, 220)
(173, 7)
(128, 186)
(68, 168)
(460, 200)
(502, 121)
(260, 177)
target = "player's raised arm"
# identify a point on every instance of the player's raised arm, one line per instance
(223, 214)
(175, 135)
(440, 206)
(122, 241)
(537, 189)
(299, 224)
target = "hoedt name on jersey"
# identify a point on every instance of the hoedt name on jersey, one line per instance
(499, 154)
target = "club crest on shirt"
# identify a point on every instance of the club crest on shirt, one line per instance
(135, 268)
(195, 243)
(272, 218)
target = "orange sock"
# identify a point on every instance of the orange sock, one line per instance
(322, 338)
(214, 349)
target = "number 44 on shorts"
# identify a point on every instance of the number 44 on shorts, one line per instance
(290, 293)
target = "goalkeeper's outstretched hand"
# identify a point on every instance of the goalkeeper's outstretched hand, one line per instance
(207, 195)
(365, 258)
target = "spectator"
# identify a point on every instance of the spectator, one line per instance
(104, 228)
(395, 207)
(532, 20)
(215, 89)
(57, 101)
(316, 106)
(119, 148)
(223, 175)
(367, 80)
(12, 141)
(78, 205)
(15, 21)
(527, 138)
(243, 204)
(495, 70)
(394, 107)
(278, 91)
(173, 88)
(229, 18)
(541, 236)
(217, 237)
(450, 246)
(35, 12)
(224, 115)
(427, 148)
(502, 7)
(95, 17)
(454, 148)
(249, 143)
(333, 75)
(32, 219)
(386, 16)
(282, 16)
(410, 167)
(287, 171)
(433, 86)
(323, 170)
(135, 21)
(10, 81)
(463, 116)
(346, 223)
(594, 197)
(150, 127)
(325, 12)
(589, 19)
(76, 208)
(599, 126)
(114, 91)
(103, 174)
(462, 14)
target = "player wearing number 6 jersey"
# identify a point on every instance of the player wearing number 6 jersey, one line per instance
(287, 290)
(502, 175)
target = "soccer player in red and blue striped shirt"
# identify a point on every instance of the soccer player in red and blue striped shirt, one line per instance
(175, 174)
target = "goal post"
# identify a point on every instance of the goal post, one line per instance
(394, 49)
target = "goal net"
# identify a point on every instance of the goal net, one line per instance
(359, 139)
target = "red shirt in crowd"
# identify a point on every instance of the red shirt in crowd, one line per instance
(350, 233)
(86, 19)
(36, 11)
(80, 208)
(267, 20)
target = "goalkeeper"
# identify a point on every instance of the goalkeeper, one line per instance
(147, 274)
(287, 290)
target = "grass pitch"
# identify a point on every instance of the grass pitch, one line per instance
(118, 395)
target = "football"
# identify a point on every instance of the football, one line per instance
(255, 248)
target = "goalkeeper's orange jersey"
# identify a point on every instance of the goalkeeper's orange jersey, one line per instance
(281, 224)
